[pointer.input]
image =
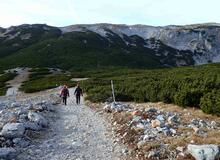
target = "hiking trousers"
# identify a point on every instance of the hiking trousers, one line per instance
(77, 99)
(64, 100)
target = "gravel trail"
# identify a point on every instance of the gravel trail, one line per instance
(76, 133)
(17, 81)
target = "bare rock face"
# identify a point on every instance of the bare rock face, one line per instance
(13, 130)
(204, 152)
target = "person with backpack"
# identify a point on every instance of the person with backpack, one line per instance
(78, 92)
(64, 94)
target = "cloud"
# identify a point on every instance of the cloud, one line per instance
(67, 12)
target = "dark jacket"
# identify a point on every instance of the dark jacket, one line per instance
(65, 92)
(78, 91)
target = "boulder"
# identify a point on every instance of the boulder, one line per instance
(107, 108)
(199, 132)
(140, 126)
(152, 154)
(38, 108)
(202, 123)
(140, 144)
(21, 142)
(50, 107)
(7, 153)
(32, 126)
(22, 111)
(15, 104)
(213, 124)
(173, 131)
(180, 149)
(13, 130)
(41, 103)
(155, 123)
(161, 118)
(145, 116)
(116, 106)
(152, 110)
(2, 105)
(22, 118)
(159, 129)
(194, 122)
(6, 116)
(136, 113)
(172, 119)
(204, 152)
(4, 142)
(37, 118)
(135, 120)
(29, 106)
(150, 137)
(167, 132)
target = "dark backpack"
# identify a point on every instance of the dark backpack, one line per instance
(78, 91)
(65, 92)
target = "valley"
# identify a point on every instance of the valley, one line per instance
(166, 84)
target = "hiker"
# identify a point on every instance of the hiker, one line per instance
(78, 92)
(64, 94)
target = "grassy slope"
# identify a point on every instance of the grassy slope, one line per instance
(70, 51)
(38, 33)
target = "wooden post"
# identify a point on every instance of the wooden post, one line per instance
(113, 92)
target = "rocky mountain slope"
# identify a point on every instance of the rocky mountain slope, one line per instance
(101, 45)
(201, 39)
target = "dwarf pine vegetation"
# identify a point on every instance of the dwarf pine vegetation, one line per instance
(197, 86)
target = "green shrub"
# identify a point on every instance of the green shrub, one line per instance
(210, 102)
(99, 97)
(188, 97)
(183, 86)
(47, 82)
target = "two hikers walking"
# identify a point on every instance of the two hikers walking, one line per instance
(65, 93)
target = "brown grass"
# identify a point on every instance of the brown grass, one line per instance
(212, 138)
(194, 112)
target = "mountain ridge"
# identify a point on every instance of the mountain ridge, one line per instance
(159, 46)
(168, 35)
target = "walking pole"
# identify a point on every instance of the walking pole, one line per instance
(113, 92)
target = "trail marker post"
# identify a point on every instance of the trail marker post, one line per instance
(113, 92)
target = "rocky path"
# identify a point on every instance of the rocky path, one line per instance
(76, 133)
(17, 81)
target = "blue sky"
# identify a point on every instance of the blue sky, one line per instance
(68, 12)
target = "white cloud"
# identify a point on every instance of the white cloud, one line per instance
(67, 12)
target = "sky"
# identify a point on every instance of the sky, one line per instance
(68, 12)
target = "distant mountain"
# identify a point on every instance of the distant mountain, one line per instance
(103, 45)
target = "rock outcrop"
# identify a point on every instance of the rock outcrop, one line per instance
(13, 130)
(19, 120)
(152, 126)
(204, 152)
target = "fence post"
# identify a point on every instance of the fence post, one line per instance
(113, 92)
